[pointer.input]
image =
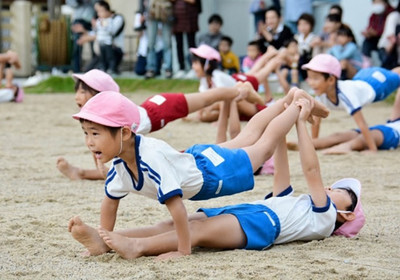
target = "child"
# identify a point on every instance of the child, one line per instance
(328, 37)
(280, 218)
(214, 34)
(205, 62)
(347, 52)
(10, 92)
(253, 54)
(368, 85)
(305, 37)
(156, 112)
(229, 60)
(289, 67)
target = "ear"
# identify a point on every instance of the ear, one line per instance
(332, 80)
(126, 133)
(348, 216)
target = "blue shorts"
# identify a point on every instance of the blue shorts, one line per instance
(390, 137)
(383, 81)
(259, 223)
(225, 171)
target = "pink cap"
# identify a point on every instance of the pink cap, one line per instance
(351, 228)
(324, 63)
(110, 108)
(98, 80)
(206, 52)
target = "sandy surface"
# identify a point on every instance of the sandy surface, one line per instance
(37, 202)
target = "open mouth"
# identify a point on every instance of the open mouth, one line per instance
(97, 154)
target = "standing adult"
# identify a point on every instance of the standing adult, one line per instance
(186, 14)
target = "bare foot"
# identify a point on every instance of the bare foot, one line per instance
(126, 247)
(87, 236)
(246, 91)
(292, 146)
(319, 109)
(340, 149)
(68, 170)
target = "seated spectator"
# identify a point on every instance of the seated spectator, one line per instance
(337, 10)
(289, 69)
(229, 60)
(214, 35)
(323, 42)
(374, 30)
(304, 38)
(273, 31)
(387, 45)
(347, 52)
(253, 54)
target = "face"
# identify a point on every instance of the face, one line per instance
(342, 39)
(102, 12)
(330, 26)
(82, 96)
(252, 52)
(317, 82)
(293, 48)
(304, 27)
(223, 46)
(100, 141)
(271, 20)
(214, 27)
(198, 69)
(340, 197)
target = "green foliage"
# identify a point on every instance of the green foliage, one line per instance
(127, 85)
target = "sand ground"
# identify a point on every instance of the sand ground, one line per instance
(37, 202)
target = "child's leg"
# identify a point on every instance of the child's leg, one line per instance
(234, 120)
(222, 125)
(262, 61)
(222, 232)
(328, 141)
(282, 76)
(395, 114)
(356, 144)
(281, 164)
(9, 78)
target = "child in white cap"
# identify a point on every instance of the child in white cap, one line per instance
(155, 112)
(280, 218)
(367, 86)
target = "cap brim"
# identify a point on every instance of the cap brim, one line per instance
(95, 118)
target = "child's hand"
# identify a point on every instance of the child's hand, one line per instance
(305, 109)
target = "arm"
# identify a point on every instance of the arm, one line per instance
(179, 215)
(309, 159)
(362, 124)
(315, 127)
(108, 214)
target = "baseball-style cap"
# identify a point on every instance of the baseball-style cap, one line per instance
(351, 228)
(110, 108)
(206, 52)
(98, 80)
(324, 63)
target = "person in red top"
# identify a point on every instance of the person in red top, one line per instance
(376, 23)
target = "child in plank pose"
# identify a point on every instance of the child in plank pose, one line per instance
(367, 86)
(280, 218)
(155, 112)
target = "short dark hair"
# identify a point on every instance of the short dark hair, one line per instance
(337, 7)
(274, 9)
(227, 39)
(85, 87)
(113, 130)
(215, 18)
(287, 42)
(308, 18)
(104, 4)
(345, 30)
(334, 18)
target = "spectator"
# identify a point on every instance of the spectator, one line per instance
(327, 38)
(186, 14)
(304, 38)
(289, 70)
(156, 17)
(336, 9)
(214, 35)
(387, 44)
(293, 10)
(229, 60)
(347, 52)
(253, 54)
(273, 32)
(374, 30)
(81, 24)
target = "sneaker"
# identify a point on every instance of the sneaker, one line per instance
(20, 95)
(168, 74)
(149, 74)
(180, 74)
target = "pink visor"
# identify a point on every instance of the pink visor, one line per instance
(324, 63)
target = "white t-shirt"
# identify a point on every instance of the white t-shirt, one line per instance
(351, 96)
(300, 219)
(219, 79)
(163, 173)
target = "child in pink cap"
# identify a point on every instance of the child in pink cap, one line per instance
(155, 112)
(149, 167)
(367, 86)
